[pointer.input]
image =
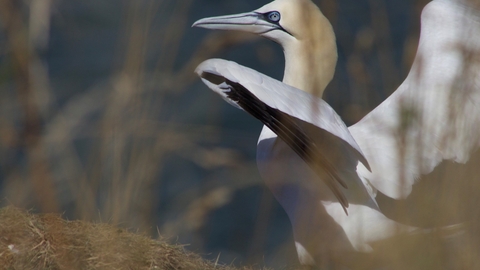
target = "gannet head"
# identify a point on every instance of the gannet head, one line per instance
(283, 21)
(306, 36)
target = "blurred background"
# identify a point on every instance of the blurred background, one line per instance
(102, 118)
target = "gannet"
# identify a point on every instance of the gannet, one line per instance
(320, 226)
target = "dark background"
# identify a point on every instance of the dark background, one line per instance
(102, 118)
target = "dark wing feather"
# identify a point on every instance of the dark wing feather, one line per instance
(287, 129)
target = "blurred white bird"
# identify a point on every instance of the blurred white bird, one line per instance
(434, 115)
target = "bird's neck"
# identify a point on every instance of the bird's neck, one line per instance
(310, 64)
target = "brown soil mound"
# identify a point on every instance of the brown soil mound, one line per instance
(29, 241)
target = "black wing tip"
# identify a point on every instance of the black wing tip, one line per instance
(256, 108)
(338, 194)
(340, 181)
(341, 199)
(363, 160)
(284, 126)
(212, 77)
(365, 163)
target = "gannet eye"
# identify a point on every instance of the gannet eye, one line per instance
(273, 16)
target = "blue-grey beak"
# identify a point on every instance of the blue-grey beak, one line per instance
(252, 22)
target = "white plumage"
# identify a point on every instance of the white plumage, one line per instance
(322, 230)
(433, 116)
(435, 111)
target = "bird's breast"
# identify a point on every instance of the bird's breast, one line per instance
(281, 167)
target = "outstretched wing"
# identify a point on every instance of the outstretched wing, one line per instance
(435, 113)
(301, 120)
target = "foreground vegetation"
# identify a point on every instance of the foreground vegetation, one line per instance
(30, 241)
